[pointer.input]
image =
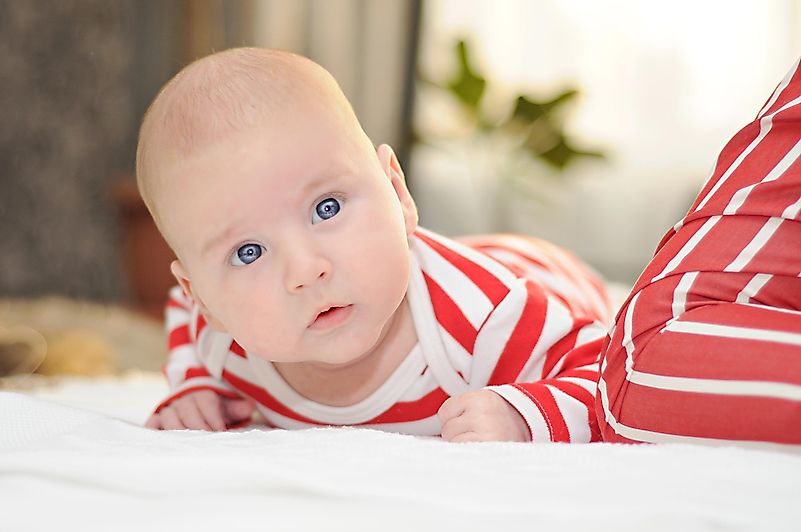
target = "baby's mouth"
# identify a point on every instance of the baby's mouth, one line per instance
(331, 316)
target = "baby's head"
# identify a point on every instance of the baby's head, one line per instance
(277, 206)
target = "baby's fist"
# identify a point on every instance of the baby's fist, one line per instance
(481, 415)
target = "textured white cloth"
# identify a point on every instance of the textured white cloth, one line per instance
(64, 468)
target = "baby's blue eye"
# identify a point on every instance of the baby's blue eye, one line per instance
(326, 209)
(246, 254)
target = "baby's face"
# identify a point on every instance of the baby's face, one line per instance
(294, 241)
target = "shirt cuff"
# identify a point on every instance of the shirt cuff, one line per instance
(537, 424)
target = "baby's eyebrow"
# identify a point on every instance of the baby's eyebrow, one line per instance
(215, 241)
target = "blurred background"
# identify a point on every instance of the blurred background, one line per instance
(592, 124)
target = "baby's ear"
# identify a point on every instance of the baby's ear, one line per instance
(179, 272)
(392, 168)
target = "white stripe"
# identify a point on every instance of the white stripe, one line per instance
(753, 287)
(429, 333)
(628, 342)
(756, 244)
(774, 309)
(528, 409)
(688, 247)
(263, 374)
(574, 414)
(460, 358)
(581, 287)
(429, 426)
(588, 384)
(494, 267)
(791, 212)
(180, 359)
(680, 293)
(775, 390)
(558, 284)
(765, 125)
(781, 167)
(495, 333)
(660, 437)
(587, 334)
(783, 85)
(730, 331)
(791, 103)
(558, 323)
(202, 381)
(470, 299)
(175, 317)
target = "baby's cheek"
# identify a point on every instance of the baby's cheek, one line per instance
(259, 333)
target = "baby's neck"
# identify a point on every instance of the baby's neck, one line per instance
(345, 385)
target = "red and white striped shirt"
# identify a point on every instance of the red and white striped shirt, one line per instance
(708, 344)
(515, 315)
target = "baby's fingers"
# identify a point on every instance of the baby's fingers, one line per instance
(237, 410)
(211, 409)
(153, 422)
(192, 417)
(169, 419)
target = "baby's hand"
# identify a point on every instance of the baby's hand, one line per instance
(481, 415)
(203, 410)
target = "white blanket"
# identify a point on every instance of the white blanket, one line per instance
(67, 468)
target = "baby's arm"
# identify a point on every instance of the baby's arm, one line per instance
(541, 386)
(196, 400)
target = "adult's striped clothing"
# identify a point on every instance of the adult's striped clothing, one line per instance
(511, 314)
(708, 345)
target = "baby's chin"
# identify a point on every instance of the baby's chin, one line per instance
(342, 356)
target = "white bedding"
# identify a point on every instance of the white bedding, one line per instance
(92, 468)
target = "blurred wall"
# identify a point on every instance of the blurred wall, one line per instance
(66, 103)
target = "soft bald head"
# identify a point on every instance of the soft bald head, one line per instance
(225, 93)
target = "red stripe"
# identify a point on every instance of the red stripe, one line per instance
(194, 372)
(588, 374)
(587, 399)
(237, 349)
(493, 288)
(200, 324)
(779, 255)
(527, 331)
(408, 411)
(543, 399)
(717, 357)
(557, 351)
(178, 337)
(712, 416)
(583, 355)
(262, 396)
(174, 303)
(790, 92)
(450, 316)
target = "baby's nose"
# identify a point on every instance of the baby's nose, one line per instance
(306, 269)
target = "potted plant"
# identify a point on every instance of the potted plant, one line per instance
(517, 148)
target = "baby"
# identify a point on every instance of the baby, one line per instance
(308, 291)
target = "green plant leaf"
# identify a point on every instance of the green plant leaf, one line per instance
(528, 110)
(561, 153)
(466, 84)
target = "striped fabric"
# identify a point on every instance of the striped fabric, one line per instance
(708, 345)
(511, 314)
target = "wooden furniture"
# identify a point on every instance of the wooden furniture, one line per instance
(146, 256)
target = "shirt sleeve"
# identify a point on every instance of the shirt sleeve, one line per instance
(542, 358)
(708, 345)
(184, 370)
